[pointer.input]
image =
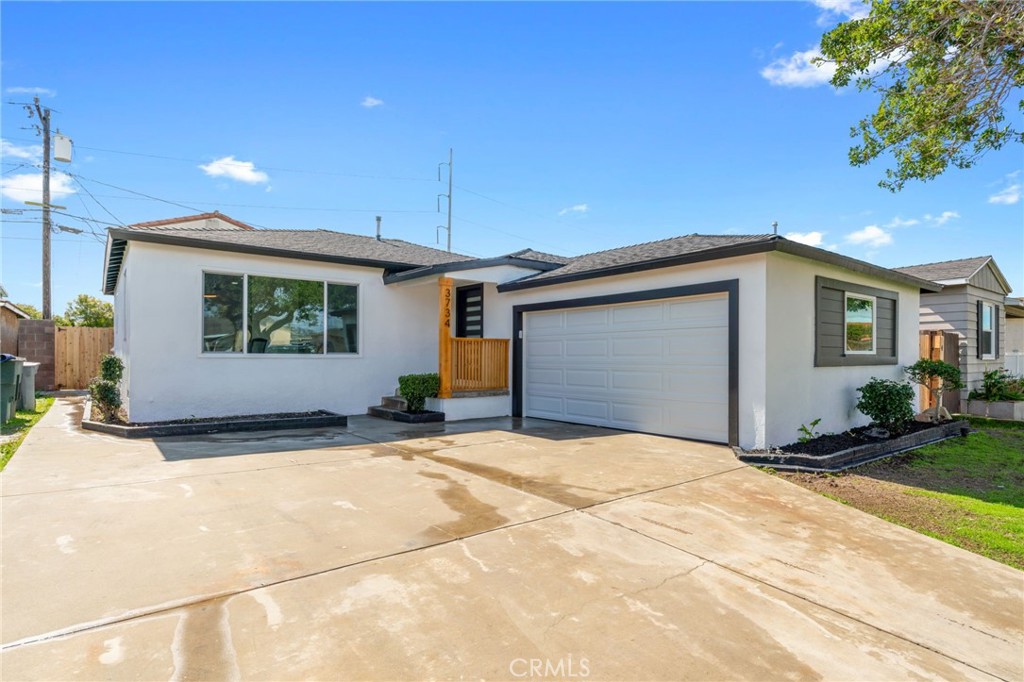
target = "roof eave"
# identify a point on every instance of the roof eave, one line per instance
(178, 240)
(731, 251)
(456, 266)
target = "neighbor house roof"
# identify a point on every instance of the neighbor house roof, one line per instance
(692, 249)
(318, 245)
(208, 218)
(1014, 307)
(954, 272)
(14, 309)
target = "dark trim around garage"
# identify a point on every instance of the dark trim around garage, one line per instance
(730, 287)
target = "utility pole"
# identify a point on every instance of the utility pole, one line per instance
(447, 196)
(44, 120)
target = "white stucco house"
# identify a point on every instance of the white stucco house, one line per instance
(730, 339)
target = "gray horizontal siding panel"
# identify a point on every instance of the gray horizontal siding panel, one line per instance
(830, 330)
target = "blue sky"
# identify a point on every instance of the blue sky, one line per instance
(576, 127)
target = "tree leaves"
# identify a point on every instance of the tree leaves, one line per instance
(944, 70)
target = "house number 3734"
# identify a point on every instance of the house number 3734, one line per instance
(448, 308)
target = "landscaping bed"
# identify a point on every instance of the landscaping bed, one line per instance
(966, 491)
(204, 425)
(835, 452)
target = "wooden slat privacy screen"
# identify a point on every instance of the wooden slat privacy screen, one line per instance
(77, 354)
(479, 364)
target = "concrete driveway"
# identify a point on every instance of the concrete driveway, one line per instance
(498, 549)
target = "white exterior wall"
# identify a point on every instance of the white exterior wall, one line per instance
(171, 378)
(749, 270)
(799, 392)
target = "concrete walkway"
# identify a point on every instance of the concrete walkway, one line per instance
(496, 549)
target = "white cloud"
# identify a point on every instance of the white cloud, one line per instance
(809, 238)
(798, 71)
(230, 167)
(899, 222)
(841, 10)
(43, 92)
(872, 235)
(29, 186)
(942, 218)
(31, 152)
(1010, 194)
(577, 208)
(371, 102)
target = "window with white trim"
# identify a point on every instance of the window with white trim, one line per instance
(987, 326)
(859, 324)
(255, 314)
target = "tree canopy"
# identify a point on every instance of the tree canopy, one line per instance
(33, 312)
(86, 311)
(945, 70)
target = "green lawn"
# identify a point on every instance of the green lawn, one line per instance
(966, 491)
(18, 427)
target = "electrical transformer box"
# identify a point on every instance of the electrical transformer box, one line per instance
(62, 148)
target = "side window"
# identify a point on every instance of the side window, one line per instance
(988, 330)
(860, 324)
(222, 313)
(854, 324)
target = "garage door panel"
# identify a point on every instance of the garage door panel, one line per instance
(586, 378)
(586, 348)
(580, 319)
(586, 409)
(633, 380)
(638, 314)
(638, 346)
(655, 366)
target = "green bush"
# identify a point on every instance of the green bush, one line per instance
(999, 384)
(111, 368)
(107, 397)
(887, 403)
(416, 388)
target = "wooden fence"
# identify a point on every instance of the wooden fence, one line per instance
(939, 345)
(479, 364)
(77, 354)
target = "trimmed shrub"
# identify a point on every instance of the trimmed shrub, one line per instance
(924, 372)
(107, 397)
(998, 384)
(111, 368)
(416, 388)
(887, 403)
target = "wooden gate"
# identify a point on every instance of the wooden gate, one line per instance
(945, 346)
(77, 353)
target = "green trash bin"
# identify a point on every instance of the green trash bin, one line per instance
(10, 386)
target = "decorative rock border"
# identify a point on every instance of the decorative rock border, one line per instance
(226, 425)
(851, 457)
(407, 417)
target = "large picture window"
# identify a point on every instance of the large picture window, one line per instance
(859, 324)
(279, 315)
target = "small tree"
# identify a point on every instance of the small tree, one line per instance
(888, 403)
(86, 311)
(938, 377)
(104, 389)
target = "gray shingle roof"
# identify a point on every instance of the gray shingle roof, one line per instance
(962, 268)
(533, 254)
(649, 251)
(304, 243)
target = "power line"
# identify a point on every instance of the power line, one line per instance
(276, 169)
(280, 208)
(79, 183)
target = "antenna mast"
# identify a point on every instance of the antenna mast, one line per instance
(447, 196)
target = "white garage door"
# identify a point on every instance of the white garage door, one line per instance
(657, 366)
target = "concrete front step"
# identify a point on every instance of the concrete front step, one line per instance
(402, 416)
(395, 402)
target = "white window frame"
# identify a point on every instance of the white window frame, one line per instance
(991, 309)
(874, 323)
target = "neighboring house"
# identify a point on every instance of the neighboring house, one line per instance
(10, 316)
(1014, 361)
(972, 304)
(731, 339)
